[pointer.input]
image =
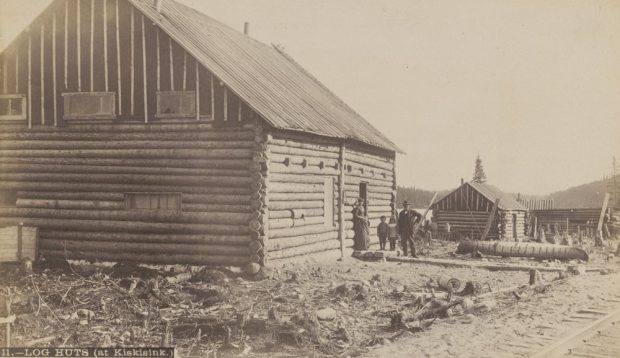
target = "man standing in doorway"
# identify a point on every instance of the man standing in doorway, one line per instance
(406, 222)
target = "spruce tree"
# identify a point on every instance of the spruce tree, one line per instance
(479, 176)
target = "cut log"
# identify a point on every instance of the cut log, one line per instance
(374, 183)
(297, 144)
(42, 195)
(81, 127)
(275, 187)
(147, 248)
(129, 179)
(131, 215)
(277, 149)
(134, 144)
(132, 153)
(295, 160)
(101, 169)
(70, 204)
(126, 226)
(207, 208)
(162, 259)
(288, 242)
(299, 231)
(298, 169)
(129, 162)
(120, 188)
(305, 249)
(289, 223)
(296, 213)
(520, 249)
(311, 179)
(370, 161)
(352, 187)
(286, 205)
(119, 135)
(296, 196)
(229, 240)
(216, 199)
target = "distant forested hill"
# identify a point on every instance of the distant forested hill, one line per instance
(419, 197)
(583, 196)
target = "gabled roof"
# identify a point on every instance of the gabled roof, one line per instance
(506, 201)
(264, 77)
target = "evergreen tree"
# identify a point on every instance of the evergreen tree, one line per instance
(479, 176)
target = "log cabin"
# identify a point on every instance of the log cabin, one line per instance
(468, 208)
(144, 130)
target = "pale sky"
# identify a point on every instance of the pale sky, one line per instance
(532, 86)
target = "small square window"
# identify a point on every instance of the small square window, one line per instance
(153, 201)
(89, 105)
(177, 104)
(13, 107)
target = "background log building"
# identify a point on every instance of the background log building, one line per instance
(144, 130)
(468, 207)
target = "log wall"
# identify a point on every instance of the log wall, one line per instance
(575, 218)
(300, 171)
(108, 46)
(73, 185)
(471, 224)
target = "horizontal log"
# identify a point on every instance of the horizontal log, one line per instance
(518, 249)
(85, 127)
(279, 149)
(302, 145)
(371, 195)
(126, 226)
(304, 250)
(298, 169)
(131, 215)
(296, 196)
(289, 222)
(162, 259)
(104, 187)
(115, 144)
(372, 181)
(71, 195)
(146, 248)
(299, 231)
(286, 205)
(131, 153)
(101, 136)
(295, 213)
(369, 160)
(222, 163)
(370, 174)
(227, 199)
(301, 160)
(383, 189)
(285, 243)
(205, 208)
(70, 204)
(107, 169)
(297, 178)
(288, 187)
(239, 240)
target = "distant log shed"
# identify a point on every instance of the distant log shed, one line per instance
(130, 131)
(468, 207)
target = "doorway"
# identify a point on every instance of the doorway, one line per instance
(364, 195)
(514, 227)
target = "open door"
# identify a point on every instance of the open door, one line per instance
(364, 195)
(514, 227)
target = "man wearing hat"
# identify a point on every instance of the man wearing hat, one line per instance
(406, 221)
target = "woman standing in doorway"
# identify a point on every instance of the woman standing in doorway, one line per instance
(360, 226)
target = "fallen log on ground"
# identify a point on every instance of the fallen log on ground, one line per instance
(520, 249)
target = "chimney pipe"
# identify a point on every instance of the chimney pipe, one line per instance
(158, 4)
(462, 181)
(246, 28)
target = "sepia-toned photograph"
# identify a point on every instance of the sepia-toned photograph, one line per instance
(310, 178)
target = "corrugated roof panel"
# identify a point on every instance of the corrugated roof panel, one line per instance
(268, 80)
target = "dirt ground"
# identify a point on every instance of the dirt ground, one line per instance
(312, 307)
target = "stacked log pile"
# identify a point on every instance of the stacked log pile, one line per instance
(577, 219)
(71, 183)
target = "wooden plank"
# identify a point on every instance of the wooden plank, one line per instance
(341, 198)
(132, 25)
(29, 80)
(158, 49)
(55, 99)
(66, 43)
(599, 227)
(105, 44)
(197, 67)
(146, 110)
(118, 61)
(490, 220)
(92, 42)
(42, 57)
(171, 64)
(79, 46)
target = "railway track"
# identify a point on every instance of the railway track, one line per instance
(592, 331)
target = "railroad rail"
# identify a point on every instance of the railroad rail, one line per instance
(592, 332)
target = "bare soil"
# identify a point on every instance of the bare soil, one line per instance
(202, 310)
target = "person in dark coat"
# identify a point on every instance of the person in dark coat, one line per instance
(406, 222)
(360, 226)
